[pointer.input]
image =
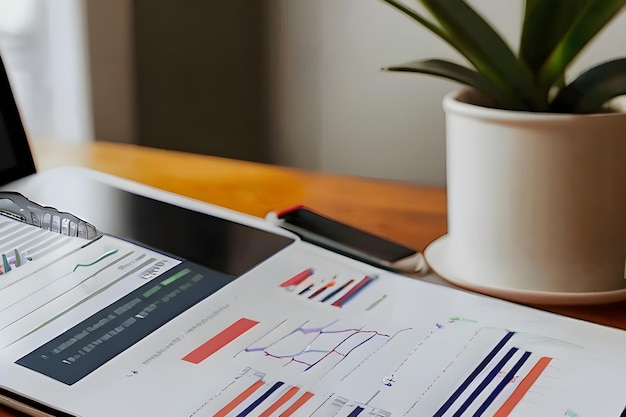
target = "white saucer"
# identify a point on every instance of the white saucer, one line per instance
(440, 262)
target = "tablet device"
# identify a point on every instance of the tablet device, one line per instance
(16, 160)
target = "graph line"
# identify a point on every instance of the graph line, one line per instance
(106, 255)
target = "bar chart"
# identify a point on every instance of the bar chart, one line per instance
(253, 393)
(450, 369)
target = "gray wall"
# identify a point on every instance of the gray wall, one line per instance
(295, 82)
(337, 112)
(181, 74)
(200, 74)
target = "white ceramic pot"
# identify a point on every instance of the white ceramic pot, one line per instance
(536, 202)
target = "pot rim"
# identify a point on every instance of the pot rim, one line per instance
(469, 102)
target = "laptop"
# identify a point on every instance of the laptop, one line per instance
(16, 160)
(174, 307)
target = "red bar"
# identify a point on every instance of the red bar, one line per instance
(239, 399)
(297, 404)
(358, 287)
(220, 340)
(523, 388)
(298, 278)
(282, 400)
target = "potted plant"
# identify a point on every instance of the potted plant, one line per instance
(535, 162)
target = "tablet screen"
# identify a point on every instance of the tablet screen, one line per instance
(214, 242)
(16, 160)
(213, 252)
(7, 154)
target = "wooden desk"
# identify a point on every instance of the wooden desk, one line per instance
(406, 213)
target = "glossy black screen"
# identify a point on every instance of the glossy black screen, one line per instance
(15, 157)
(208, 240)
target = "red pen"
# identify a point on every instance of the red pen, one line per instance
(358, 287)
(319, 290)
(298, 278)
(335, 292)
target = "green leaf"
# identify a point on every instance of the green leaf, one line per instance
(428, 24)
(466, 31)
(529, 6)
(485, 49)
(545, 24)
(593, 88)
(458, 73)
(596, 15)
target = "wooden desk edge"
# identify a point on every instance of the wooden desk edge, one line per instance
(248, 187)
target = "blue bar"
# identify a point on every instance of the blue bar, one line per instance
(355, 412)
(509, 376)
(259, 400)
(5, 262)
(490, 377)
(482, 365)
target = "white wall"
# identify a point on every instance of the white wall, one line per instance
(43, 48)
(335, 111)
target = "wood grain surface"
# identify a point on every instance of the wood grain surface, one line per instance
(407, 213)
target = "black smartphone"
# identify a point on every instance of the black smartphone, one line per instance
(339, 237)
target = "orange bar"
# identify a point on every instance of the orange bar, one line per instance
(298, 278)
(522, 388)
(282, 400)
(239, 399)
(220, 340)
(297, 404)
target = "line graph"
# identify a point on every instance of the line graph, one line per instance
(310, 346)
(449, 368)
(34, 296)
(452, 367)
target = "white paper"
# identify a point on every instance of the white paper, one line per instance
(398, 347)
